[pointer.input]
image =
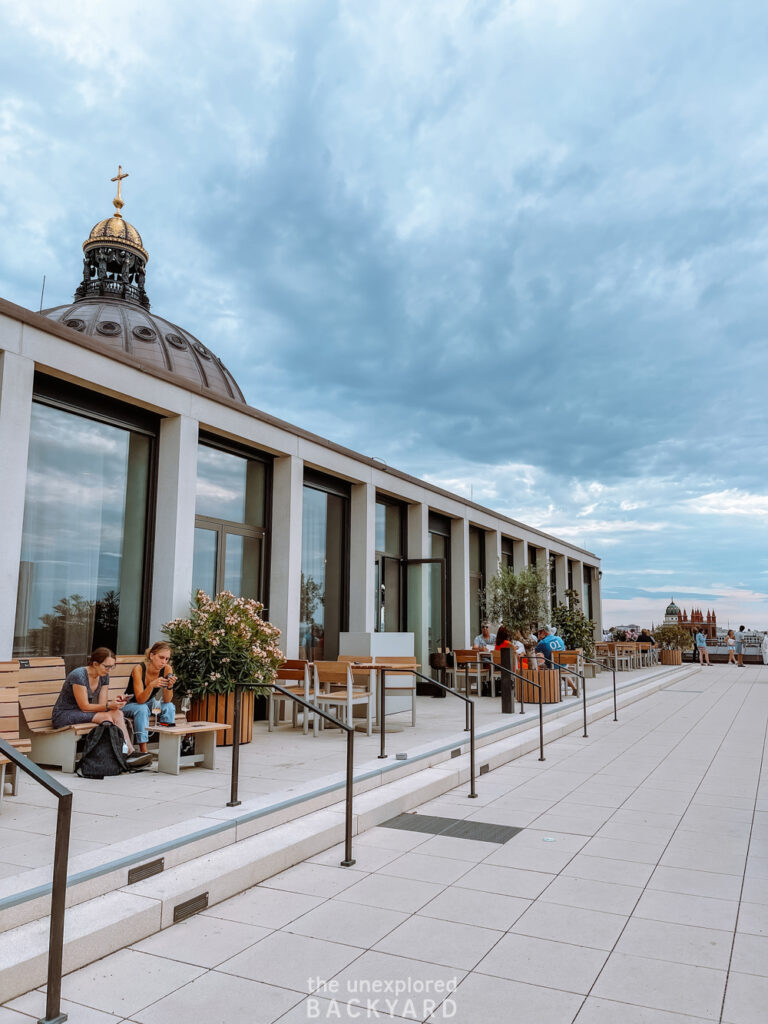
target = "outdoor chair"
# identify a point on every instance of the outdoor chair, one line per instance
(335, 688)
(293, 675)
(472, 668)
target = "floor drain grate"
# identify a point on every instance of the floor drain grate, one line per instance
(152, 867)
(457, 828)
(184, 910)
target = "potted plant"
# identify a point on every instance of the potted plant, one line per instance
(672, 640)
(224, 644)
(577, 631)
(519, 600)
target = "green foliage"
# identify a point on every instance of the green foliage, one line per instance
(224, 643)
(516, 599)
(673, 638)
(573, 626)
(311, 595)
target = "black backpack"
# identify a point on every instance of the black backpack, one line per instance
(103, 753)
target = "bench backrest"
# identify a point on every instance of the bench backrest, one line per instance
(469, 657)
(9, 700)
(40, 681)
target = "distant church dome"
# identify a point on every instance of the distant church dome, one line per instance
(112, 306)
(672, 609)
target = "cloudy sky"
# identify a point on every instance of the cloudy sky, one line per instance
(516, 247)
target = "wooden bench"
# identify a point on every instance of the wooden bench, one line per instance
(40, 681)
(9, 725)
(572, 659)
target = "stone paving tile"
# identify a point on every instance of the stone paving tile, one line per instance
(33, 1003)
(481, 999)
(606, 869)
(753, 918)
(202, 941)
(526, 959)
(746, 999)
(268, 908)
(679, 908)
(292, 961)
(677, 943)
(579, 927)
(337, 921)
(678, 988)
(507, 881)
(424, 868)
(440, 942)
(750, 954)
(315, 879)
(126, 982)
(696, 883)
(592, 895)
(219, 999)
(606, 1011)
(472, 906)
(419, 981)
(403, 894)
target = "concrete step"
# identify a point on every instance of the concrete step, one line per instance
(110, 919)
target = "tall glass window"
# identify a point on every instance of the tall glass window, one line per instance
(82, 565)
(230, 523)
(324, 568)
(588, 607)
(508, 553)
(552, 581)
(439, 632)
(476, 578)
(388, 572)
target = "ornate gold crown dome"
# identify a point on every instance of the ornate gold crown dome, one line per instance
(110, 304)
(115, 230)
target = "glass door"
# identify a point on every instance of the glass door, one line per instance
(427, 604)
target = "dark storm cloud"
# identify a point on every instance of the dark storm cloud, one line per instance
(462, 237)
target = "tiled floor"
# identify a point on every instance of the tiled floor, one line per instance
(636, 893)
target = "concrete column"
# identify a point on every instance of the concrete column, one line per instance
(417, 582)
(460, 583)
(492, 553)
(175, 521)
(561, 577)
(285, 551)
(362, 558)
(16, 381)
(519, 555)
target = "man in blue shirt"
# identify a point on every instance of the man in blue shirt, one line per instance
(548, 642)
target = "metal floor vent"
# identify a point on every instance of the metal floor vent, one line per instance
(152, 867)
(184, 910)
(457, 828)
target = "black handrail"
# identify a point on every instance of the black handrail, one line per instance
(471, 711)
(53, 1014)
(350, 731)
(525, 679)
(571, 671)
(612, 666)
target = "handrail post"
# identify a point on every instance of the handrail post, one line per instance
(584, 702)
(541, 724)
(466, 693)
(472, 793)
(615, 716)
(348, 858)
(382, 715)
(53, 1014)
(233, 801)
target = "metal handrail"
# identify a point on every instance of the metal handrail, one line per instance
(612, 666)
(531, 682)
(571, 671)
(471, 712)
(53, 1014)
(350, 731)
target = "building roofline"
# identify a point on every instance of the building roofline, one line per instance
(37, 320)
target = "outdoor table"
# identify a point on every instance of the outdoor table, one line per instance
(381, 667)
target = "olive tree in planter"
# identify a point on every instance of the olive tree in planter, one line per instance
(672, 640)
(518, 599)
(577, 631)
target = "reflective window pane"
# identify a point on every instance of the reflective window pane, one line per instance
(242, 565)
(323, 573)
(204, 561)
(230, 487)
(82, 559)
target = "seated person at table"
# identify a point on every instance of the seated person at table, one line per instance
(502, 637)
(485, 639)
(646, 638)
(147, 680)
(85, 697)
(548, 642)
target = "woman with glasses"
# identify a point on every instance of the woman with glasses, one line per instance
(85, 696)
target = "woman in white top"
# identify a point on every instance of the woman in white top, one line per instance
(730, 643)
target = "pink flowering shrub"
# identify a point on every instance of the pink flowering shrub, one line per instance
(224, 643)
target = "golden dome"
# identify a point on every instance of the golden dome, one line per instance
(116, 231)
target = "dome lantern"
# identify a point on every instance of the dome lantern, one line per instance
(114, 257)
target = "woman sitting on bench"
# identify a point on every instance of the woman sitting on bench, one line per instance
(83, 697)
(143, 688)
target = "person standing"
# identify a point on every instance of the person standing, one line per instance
(740, 646)
(701, 648)
(730, 643)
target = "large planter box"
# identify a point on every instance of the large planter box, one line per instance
(221, 708)
(548, 679)
(671, 657)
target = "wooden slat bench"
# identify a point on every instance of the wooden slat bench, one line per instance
(9, 725)
(40, 681)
